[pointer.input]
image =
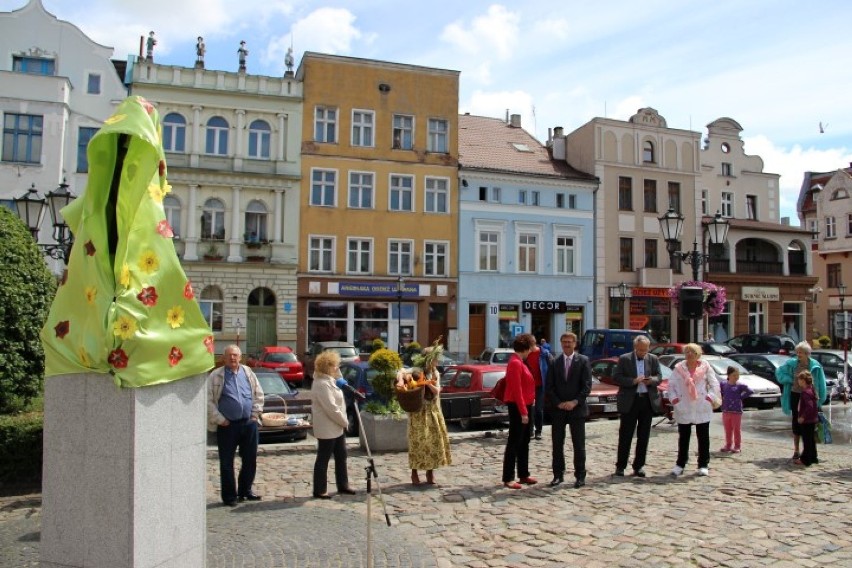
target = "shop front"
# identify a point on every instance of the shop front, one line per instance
(648, 309)
(548, 319)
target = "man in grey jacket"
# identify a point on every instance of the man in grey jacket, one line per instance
(234, 405)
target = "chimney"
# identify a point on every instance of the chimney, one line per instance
(507, 116)
(557, 132)
(785, 221)
(516, 121)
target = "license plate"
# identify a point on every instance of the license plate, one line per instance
(610, 408)
(772, 399)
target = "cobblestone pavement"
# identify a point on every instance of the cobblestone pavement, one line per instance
(754, 509)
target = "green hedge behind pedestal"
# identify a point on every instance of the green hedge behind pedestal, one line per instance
(21, 447)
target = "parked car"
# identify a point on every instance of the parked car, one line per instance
(707, 347)
(602, 343)
(765, 393)
(282, 360)
(278, 396)
(359, 375)
(347, 352)
(478, 379)
(765, 365)
(832, 363)
(495, 356)
(603, 371)
(763, 343)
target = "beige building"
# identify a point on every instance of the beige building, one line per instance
(644, 168)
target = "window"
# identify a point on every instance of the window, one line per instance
(813, 226)
(491, 194)
(756, 317)
(650, 196)
(705, 202)
(527, 252)
(359, 256)
(362, 128)
(213, 220)
(22, 138)
(522, 196)
(403, 132)
(210, 303)
(727, 170)
(833, 275)
(648, 152)
(849, 224)
(751, 207)
(259, 138)
(625, 194)
(572, 201)
(256, 217)
(401, 193)
(566, 250)
(84, 135)
(174, 133)
(320, 254)
(33, 65)
(830, 227)
(171, 205)
(323, 187)
(399, 257)
(325, 125)
(361, 190)
(437, 195)
(435, 258)
(438, 136)
(674, 196)
(93, 84)
(794, 320)
(650, 253)
(217, 136)
(535, 198)
(488, 251)
(560, 201)
(727, 204)
(625, 254)
(721, 325)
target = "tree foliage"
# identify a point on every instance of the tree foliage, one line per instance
(26, 291)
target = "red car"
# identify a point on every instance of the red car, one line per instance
(282, 360)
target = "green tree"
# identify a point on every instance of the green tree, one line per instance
(26, 291)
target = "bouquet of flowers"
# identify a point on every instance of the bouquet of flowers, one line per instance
(714, 296)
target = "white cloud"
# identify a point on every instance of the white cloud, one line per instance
(495, 104)
(493, 34)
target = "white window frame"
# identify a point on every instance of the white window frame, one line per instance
(359, 246)
(220, 137)
(486, 226)
(434, 189)
(566, 232)
(363, 128)
(325, 124)
(814, 228)
(325, 185)
(394, 188)
(259, 136)
(212, 308)
(401, 257)
(437, 256)
(798, 314)
(522, 197)
(705, 202)
(172, 207)
(170, 133)
(217, 219)
(438, 136)
(98, 87)
(256, 220)
(751, 207)
(757, 314)
(849, 224)
(323, 247)
(402, 124)
(525, 231)
(359, 188)
(830, 227)
(727, 207)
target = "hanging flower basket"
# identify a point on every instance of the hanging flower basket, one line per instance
(714, 296)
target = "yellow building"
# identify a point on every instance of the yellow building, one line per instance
(379, 202)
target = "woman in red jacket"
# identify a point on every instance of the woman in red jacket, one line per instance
(520, 398)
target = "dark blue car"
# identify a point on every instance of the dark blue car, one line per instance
(359, 375)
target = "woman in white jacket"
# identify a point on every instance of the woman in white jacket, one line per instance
(693, 387)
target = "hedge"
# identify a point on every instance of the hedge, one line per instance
(21, 447)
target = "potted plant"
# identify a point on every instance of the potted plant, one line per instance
(212, 253)
(384, 423)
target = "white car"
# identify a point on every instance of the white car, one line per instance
(765, 393)
(495, 355)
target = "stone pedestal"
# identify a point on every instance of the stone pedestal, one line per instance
(124, 474)
(384, 433)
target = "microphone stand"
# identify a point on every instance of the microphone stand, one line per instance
(371, 474)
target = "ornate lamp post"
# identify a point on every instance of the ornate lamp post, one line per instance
(400, 288)
(30, 208)
(671, 225)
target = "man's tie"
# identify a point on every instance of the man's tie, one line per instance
(568, 365)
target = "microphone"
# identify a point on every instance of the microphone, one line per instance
(343, 385)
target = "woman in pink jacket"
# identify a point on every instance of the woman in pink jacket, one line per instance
(520, 398)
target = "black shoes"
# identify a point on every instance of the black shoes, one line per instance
(579, 483)
(556, 481)
(230, 503)
(619, 472)
(322, 496)
(639, 472)
(347, 491)
(250, 497)
(538, 435)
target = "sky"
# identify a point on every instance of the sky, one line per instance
(771, 65)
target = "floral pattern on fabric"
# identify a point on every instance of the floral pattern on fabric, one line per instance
(125, 306)
(428, 442)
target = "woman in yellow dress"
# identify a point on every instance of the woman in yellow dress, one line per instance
(428, 442)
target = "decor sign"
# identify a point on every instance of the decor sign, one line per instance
(549, 306)
(760, 294)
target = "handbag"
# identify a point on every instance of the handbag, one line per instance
(499, 390)
(823, 429)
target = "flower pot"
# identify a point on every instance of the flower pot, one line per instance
(384, 433)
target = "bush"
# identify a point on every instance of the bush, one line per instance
(386, 363)
(21, 448)
(376, 345)
(824, 341)
(26, 291)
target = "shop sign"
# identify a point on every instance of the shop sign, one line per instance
(549, 306)
(651, 293)
(509, 312)
(377, 289)
(760, 294)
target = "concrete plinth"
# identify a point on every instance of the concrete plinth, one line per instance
(124, 474)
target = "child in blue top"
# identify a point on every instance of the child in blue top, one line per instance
(733, 395)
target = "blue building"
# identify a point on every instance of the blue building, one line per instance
(526, 238)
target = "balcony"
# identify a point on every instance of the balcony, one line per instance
(722, 266)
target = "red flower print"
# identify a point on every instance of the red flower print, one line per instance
(148, 296)
(90, 248)
(118, 359)
(162, 168)
(187, 291)
(64, 277)
(149, 108)
(165, 229)
(175, 355)
(209, 343)
(62, 329)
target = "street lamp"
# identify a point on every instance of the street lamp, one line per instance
(30, 208)
(400, 287)
(671, 225)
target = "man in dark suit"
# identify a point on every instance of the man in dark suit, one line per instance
(568, 383)
(637, 376)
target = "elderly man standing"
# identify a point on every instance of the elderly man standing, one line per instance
(234, 404)
(637, 376)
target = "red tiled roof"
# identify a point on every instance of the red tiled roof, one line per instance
(492, 144)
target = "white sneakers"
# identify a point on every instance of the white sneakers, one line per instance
(677, 470)
(703, 471)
